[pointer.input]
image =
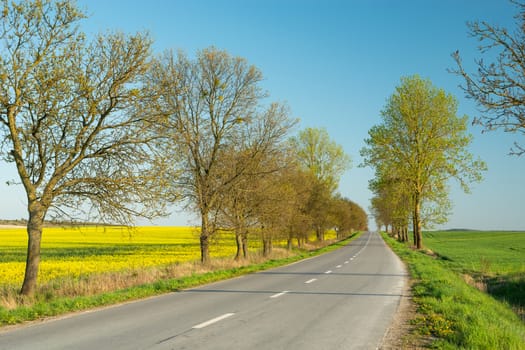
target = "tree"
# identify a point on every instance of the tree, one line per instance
(424, 143)
(257, 199)
(347, 217)
(326, 161)
(498, 87)
(211, 106)
(320, 155)
(281, 203)
(70, 122)
(391, 203)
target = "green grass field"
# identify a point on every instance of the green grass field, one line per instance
(494, 260)
(489, 253)
(453, 309)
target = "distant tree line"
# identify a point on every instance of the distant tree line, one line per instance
(102, 130)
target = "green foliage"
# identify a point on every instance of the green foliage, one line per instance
(421, 143)
(324, 161)
(323, 157)
(458, 315)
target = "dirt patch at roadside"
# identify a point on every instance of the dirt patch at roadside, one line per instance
(402, 334)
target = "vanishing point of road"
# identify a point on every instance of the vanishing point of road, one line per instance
(344, 299)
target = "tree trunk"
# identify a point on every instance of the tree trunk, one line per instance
(417, 222)
(205, 239)
(320, 233)
(244, 243)
(238, 241)
(35, 225)
(267, 242)
(267, 246)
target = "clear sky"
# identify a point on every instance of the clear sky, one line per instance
(335, 63)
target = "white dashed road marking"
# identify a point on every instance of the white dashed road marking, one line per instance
(212, 321)
(279, 294)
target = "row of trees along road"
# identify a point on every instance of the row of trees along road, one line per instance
(102, 130)
(420, 145)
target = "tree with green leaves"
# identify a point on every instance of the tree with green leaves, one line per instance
(347, 217)
(424, 143)
(498, 86)
(326, 161)
(70, 120)
(219, 130)
(259, 198)
(391, 202)
(321, 156)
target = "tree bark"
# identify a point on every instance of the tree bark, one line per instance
(320, 233)
(238, 241)
(244, 242)
(267, 246)
(35, 226)
(205, 239)
(417, 222)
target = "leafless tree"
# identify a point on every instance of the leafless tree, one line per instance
(70, 120)
(212, 107)
(498, 86)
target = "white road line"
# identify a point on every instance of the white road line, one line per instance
(212, 321)
(339, 266)
(352, 258)
(310, 281)
(346, 262)
(329, 271)
(279, 294)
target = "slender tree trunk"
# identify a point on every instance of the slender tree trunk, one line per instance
(267, 246)
(320, 233)
(35, 226)
(244, 242)
(417, 222)
(267, 243)
(205, 239)
(238, 241)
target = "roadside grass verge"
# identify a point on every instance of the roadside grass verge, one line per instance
(454, 314)
(56, 298)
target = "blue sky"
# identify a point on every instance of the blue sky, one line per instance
(335, 63)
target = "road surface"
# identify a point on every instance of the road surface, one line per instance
(340, 300)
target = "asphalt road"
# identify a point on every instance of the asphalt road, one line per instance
(340, 300)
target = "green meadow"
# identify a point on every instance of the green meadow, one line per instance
(492, 261)
(469, 288)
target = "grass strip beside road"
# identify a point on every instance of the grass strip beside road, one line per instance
(50, 307)
(454, 314)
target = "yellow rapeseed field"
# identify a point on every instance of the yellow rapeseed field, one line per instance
(74, 252)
